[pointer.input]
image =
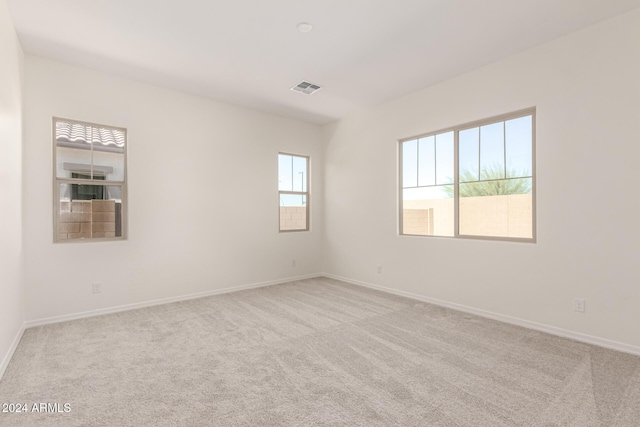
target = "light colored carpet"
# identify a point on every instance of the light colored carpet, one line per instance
(314, 352)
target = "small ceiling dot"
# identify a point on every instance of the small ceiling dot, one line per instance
(305, 27)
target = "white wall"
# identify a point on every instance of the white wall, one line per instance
(203, 203)
(11, 295)
(586, 87)
(203, 182)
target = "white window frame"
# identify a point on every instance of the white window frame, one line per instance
(456, 130)
(57, 181)
(307, 194)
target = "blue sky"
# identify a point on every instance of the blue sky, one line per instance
(428, 162)
(292, 176)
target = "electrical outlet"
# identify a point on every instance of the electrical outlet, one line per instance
(578, 305)
(379, 269)
(293, 263)
(96, 288)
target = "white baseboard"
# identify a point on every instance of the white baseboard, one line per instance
(99, 312)
(12, 349)
(553, 330)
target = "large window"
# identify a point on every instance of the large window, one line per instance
(293, 192)
(89, 181)
(475, 180)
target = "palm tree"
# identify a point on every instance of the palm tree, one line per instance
(492, 184)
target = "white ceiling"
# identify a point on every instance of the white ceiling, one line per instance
(249, 52)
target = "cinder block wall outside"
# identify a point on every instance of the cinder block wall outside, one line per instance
(508, 216)
(501, 216)
(419, 221)
(428, 217)
(103, 221)
(87, 219)
(293, 217)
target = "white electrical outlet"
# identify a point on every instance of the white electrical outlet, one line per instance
(96, 288)
(293, 263)
(578, 305)
(379, 269)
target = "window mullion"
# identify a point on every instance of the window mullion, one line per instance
(418, 162)
(88, 182)
(401, 188)
(435, 159)
(479, 150)
(91, 146)
(504, 146)
(294, 193)
(456, 185)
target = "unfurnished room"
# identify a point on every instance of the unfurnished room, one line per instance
(320, 213)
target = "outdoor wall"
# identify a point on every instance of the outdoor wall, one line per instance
(586, 88)
(501, 216)
(202, 186)
(87, 219)
(11, 292)
(293, 217)
(429, 217)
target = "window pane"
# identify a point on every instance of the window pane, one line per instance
(107, 165)
(299, 173)
(74, 142)
(497, 208)
(444, 158)
(285, 171)
(108, 153)
(86, 192)
(469, 152)
(89, 211)
(492, 151)
(428, 211)
(519, 146)
(410, 163)
(293, 212)
(70, 160)
(427, 161)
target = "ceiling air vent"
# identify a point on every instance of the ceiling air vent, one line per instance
(306, 88)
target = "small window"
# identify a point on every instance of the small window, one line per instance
(474, 180)
(293, 192)
(89, 181)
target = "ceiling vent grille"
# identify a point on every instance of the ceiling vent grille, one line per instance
(306, 88)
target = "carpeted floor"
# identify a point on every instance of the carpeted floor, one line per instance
(314, 352)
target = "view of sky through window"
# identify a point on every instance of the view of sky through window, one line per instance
(292, 176)
(428, 162)
(495, 181)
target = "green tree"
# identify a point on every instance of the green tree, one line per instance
(492, 184)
